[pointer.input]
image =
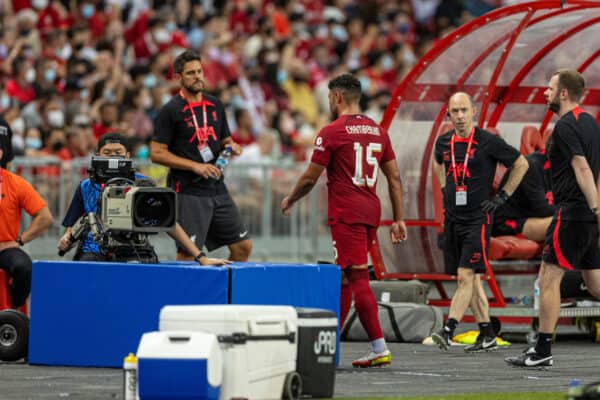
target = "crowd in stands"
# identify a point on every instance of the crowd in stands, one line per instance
(71, 70)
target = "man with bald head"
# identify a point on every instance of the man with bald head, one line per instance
(465, 164)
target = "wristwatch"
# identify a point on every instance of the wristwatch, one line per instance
(20, 241)
(199, 256)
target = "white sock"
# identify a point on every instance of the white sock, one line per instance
(378, 345)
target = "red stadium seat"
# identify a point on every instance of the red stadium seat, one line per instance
(531, 140)
(513, 248)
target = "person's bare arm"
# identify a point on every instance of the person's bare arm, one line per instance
(190, 247)
(304, 185)
(519, 168)
(160, 154)
(440, 173)
(40, 222)
(398, 230)
(585, 180)
(236, 149)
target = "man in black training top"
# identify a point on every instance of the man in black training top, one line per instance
(189, 133)
(465, 164)
(572, 238)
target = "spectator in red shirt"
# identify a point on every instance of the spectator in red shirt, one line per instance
(108, 121)
(20, 86)
(243, 134)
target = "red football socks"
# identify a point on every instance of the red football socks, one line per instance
(345, 303)
(364, 302)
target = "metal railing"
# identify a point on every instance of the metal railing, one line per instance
(257, 189)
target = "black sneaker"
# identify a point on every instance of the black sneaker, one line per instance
(442, 338)
(483, 343)
(530, 359)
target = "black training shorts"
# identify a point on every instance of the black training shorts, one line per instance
(466, 245)
(572, 244)
(508, 226)
(211, 221)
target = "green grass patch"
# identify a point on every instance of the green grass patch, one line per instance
(477, 396)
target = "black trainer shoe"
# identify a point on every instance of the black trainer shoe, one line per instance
(442, 338)
(530, 359)
(483, 343)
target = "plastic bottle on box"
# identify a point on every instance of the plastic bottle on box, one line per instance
(130, 382)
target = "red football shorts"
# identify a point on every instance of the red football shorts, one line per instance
(351, 243)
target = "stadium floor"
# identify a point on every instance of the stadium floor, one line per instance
(416, 370)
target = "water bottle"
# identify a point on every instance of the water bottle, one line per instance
(130, 381)
(536, 294)
(224, 158)
(575, 390)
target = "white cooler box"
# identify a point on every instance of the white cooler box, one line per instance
(179, 365)
(258, 342)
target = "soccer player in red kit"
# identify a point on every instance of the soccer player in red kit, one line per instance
(352, 148)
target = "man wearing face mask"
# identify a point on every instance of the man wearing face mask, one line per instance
(85, 200)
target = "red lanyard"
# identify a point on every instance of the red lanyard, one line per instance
(464, 172)
(200, 134)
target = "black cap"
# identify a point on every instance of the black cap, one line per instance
(112, 137)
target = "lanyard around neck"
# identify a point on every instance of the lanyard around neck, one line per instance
(466, 162)
(200, 134)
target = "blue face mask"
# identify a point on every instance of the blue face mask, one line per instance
(87, 10)
(387, 63)
(364, 83)
(143, 152)
(33, 143)
(49, 75)
(281, 75)
(150, 81)
(170, 26)
(4, 102)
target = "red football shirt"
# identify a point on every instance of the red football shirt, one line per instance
(352, 147)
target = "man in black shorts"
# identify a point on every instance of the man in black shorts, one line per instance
(529, 210)
(189, 133)
(572, 239)
(465, 164)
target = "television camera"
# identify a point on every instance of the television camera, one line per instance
(129, 209)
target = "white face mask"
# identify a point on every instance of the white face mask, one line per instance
(162, 35)
(56, 118)
(146, 102)
(18, 126)
(39, 4)
(30, 75)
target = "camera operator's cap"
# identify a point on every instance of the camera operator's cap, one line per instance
(112, 137)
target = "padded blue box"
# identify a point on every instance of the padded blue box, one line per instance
(93, 314)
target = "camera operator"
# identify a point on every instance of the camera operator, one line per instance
(85, 200)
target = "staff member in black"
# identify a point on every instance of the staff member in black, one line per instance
(572, 239)
(5, 143)
(189, 133)
(465, 164)
(528, 212)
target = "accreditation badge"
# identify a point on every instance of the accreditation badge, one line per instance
(461, 195)
(206, 153)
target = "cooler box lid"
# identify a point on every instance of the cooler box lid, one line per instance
(226, 319)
